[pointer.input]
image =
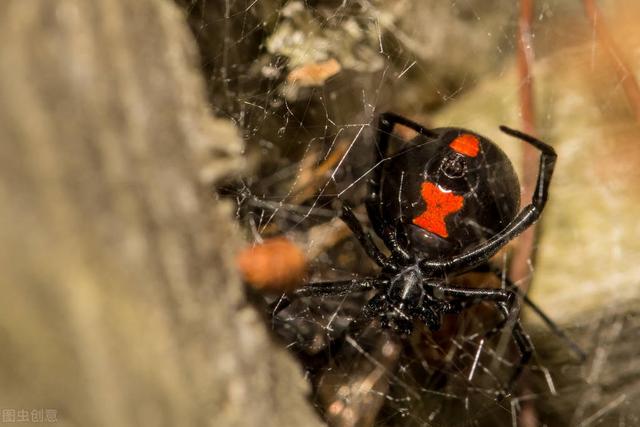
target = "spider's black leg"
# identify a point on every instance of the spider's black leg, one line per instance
(374, 306)
(505, 300)
(365, 238)
(388, 233)
(431, 317)
(337, 288)
(391, 119)
(582, 356)
(557, 330)
(386, 123)
(504, 309)
(501, 296)
(357, 326)
(507, 303)
(525, 347)
(521, 222)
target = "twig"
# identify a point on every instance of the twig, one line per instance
(519, 271)
(524, 250)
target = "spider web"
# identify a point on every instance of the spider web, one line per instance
(304, 81)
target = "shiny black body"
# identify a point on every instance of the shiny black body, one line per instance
(487, 182)
(413, 282)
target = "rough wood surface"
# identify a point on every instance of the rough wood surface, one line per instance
(120, 304)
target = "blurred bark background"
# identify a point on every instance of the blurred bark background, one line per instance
(120, 302)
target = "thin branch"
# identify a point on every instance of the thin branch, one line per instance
(519, 271)
(524, 251)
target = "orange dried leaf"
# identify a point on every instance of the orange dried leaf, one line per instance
(277, 265)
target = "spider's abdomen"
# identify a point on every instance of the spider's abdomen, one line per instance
(451, 192)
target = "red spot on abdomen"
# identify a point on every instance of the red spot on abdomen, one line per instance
(466, 144)
(439, 205)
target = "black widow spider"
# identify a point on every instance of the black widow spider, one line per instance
(442, 206)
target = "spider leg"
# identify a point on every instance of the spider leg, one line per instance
(505, 300)
(504, 309)
(509, 309)
(365, 238)
(371, 310)
(523, 342)
(337, 288)
(387, 233)
(582, 356)
(431, 317)
(521, 222)
(386, 123)
(477, 294)
(316, 362)
(557, 330)
(390, 119)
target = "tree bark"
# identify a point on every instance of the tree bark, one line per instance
(120, 301)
